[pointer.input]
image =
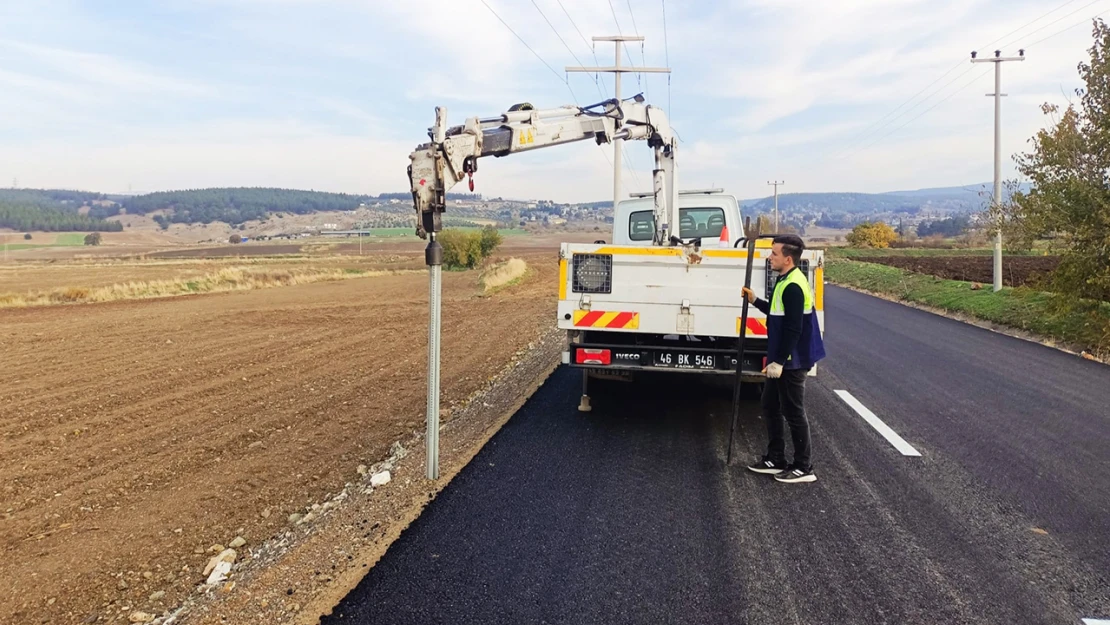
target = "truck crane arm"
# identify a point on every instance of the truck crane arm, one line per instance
(453, 153)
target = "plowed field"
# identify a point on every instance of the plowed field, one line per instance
(1016, 270)
(135, 435)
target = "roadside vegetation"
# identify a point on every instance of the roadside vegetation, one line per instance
(1086, 327)
(463, 249)
(1055, 223)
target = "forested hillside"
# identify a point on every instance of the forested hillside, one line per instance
(53, 210)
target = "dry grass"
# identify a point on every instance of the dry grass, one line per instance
(40, 276)
(225, 279)
(502, 274)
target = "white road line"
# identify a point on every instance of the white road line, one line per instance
(890, 435)
(1096, 621)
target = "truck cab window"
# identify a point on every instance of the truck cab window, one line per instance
(692, 222)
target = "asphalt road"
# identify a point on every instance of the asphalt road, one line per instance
(628, 514)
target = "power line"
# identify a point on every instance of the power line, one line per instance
(981, 48)
(554, 30)
(1066, 29)
(897, 117)
(881, 123)
(643, 57)
(561, 79)
(1056, 21)
(588, 44)
(878, 124)
(923, 113)
(619, 31)
(635, 28)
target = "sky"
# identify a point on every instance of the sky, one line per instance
(333, 95)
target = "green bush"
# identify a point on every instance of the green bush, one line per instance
(27, 237)
(867, 234)
(93, 238)
(466, 250)
(489, 240)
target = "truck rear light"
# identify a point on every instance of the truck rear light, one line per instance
(586, 356)
(592, 273)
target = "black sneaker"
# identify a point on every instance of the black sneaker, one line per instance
(767, 466)
(794, 475)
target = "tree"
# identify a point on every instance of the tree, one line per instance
(868, 234)
(1069, 199)
(950, 227)
(235, 239)
(489, 240)
(463, 249)
(460, 249)
(92, 238)
(27, 236)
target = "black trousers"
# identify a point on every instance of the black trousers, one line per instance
(785, 397)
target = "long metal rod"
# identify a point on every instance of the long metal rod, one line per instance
(740, 350)
(435, 274)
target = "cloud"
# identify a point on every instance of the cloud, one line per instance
(103, 70)
(334, 94)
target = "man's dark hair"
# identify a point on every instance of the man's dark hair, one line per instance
(792, 246)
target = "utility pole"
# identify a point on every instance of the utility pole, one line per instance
(776, 184)
(998, 60)
(617, 69)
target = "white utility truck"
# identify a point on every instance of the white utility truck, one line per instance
(631, 305)
(664, 293)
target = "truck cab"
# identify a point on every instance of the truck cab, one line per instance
(703, 213)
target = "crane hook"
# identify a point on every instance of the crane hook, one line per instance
(470, 165)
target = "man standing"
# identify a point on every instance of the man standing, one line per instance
(793, 346)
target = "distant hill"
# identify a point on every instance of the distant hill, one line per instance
(60, 209)
(53, 210)
(240, 204)
(963, 199)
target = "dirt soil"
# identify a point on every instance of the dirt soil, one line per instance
(136, 437)
(1016, 270)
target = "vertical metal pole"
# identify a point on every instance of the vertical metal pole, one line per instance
(776, 184)
(433, 255)
(618, 143)
(776, 207)
(996, 201)
(998, 175)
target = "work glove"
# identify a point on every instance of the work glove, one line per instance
(773, 370)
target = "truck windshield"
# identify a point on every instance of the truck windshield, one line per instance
(693, 222)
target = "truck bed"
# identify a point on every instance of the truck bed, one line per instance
(635, 307)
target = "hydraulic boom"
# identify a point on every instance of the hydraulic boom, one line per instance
(453, 152)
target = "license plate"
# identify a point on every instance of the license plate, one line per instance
(685, 360)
